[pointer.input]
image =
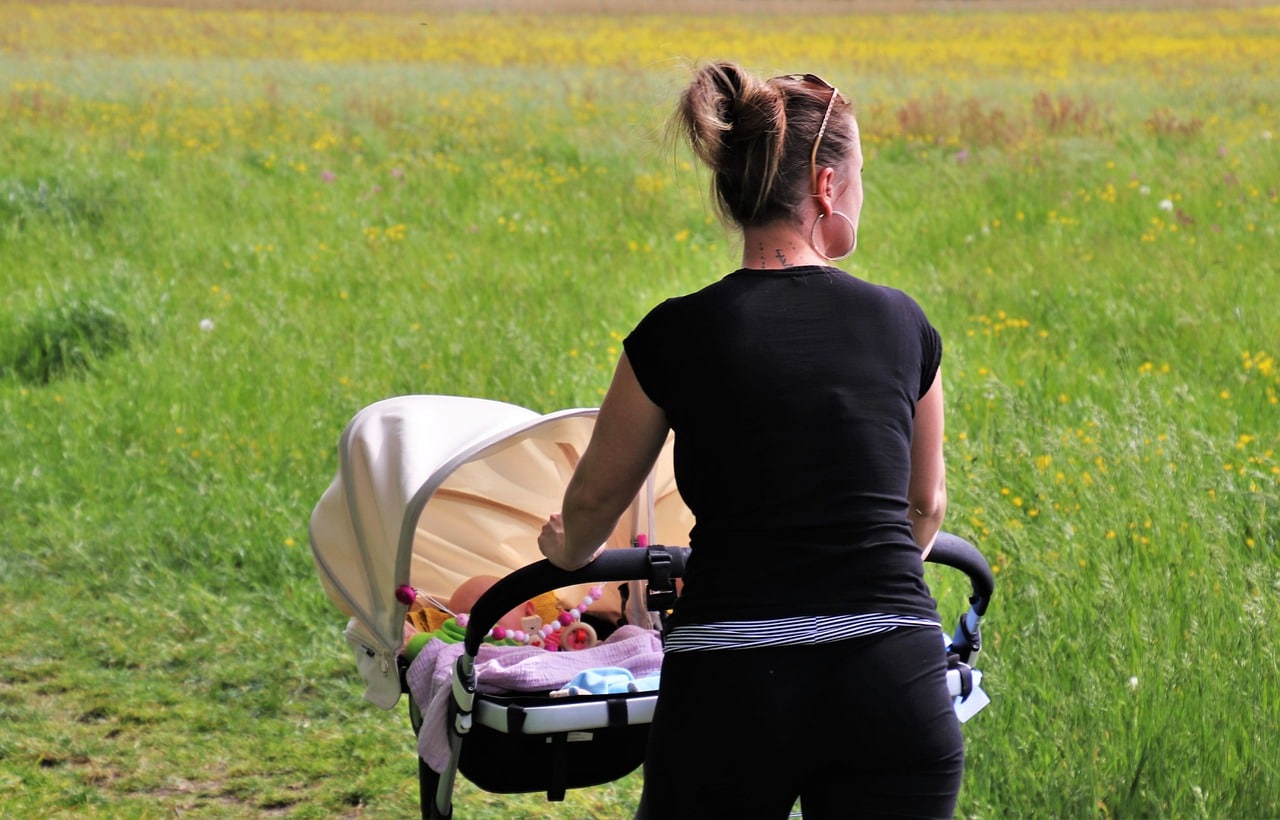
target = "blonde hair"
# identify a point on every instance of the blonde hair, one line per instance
(756, 138)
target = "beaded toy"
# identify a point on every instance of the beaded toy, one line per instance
(540, 634)
(566, 631)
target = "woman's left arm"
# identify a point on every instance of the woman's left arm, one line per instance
(629, 433)
(927, 492)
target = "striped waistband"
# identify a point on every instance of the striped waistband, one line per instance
(798, 631)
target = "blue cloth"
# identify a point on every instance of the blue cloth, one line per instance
(608, 680)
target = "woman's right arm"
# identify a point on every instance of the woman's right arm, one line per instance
(629, 433)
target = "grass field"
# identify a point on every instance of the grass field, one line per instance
(226, 227)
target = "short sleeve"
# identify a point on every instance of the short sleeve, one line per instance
(646, 351)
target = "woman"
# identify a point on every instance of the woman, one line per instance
(804, 657)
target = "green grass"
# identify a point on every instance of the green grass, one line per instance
(209, 267)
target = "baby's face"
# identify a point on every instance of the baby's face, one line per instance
(465, 596)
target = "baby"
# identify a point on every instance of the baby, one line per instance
(465, 596)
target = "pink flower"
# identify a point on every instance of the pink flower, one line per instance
(328, 176)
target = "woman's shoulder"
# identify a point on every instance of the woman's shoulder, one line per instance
(894, 296)
(695, 299)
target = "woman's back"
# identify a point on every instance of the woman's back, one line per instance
(791, 394)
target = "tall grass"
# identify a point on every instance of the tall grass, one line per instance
(221, 234)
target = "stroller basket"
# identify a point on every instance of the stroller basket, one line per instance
(518, 745)
(525, 742)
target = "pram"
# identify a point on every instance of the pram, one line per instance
(433, 490)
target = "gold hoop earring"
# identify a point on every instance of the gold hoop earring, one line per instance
(852, 232)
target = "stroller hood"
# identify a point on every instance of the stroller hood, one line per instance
(432, 490)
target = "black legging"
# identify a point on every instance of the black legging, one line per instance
(858, 728)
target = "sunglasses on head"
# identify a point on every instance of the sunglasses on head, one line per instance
(814, 79)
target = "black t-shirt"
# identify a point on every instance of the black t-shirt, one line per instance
(792, 396)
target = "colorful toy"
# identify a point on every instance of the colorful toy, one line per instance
(425, 613)
(579, 635)
(522, 626)
(415, 644)
(539, 633)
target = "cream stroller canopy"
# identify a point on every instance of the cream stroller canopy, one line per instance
(432, 490)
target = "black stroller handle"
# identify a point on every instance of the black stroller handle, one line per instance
(957, 553)
(532, 580)
(953, 551)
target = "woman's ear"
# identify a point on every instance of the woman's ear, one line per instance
(826, 193)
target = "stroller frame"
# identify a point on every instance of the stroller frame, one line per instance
(549, 725)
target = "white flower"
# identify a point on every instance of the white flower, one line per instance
(1166, 205)
(206, 325)
(1266, 135)
(1133, 682)
(1145, 190)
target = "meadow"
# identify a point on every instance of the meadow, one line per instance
(226, 227)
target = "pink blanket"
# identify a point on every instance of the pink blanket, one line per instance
(516, 669)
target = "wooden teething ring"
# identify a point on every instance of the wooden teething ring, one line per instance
(578, 635)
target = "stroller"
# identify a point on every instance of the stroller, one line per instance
(432, 491)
